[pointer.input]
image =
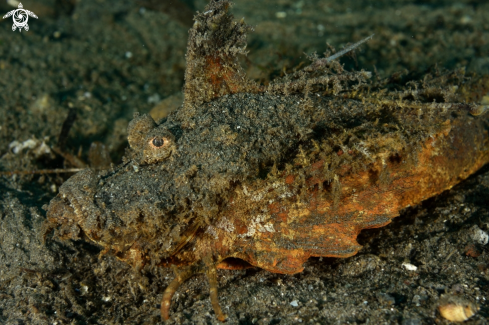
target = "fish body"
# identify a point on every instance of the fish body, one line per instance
(271, 175)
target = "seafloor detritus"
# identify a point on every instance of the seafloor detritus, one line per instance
(456, 309)
(274, 174)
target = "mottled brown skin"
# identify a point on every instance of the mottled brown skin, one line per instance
(316, 228)
(271, 175)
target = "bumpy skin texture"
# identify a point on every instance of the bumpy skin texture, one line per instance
(271, 175)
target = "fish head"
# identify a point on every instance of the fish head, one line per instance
(129, 210)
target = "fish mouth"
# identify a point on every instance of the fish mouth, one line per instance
(69, 211)
(61, 217)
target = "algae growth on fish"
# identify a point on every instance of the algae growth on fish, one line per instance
(271, 174)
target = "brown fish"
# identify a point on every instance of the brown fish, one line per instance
(271, 175)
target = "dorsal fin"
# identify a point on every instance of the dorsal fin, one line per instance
(214, 43)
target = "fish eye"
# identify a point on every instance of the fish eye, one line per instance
(157, 142)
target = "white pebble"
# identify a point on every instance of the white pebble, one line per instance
(409, 266)
(17, 146)
(479, 236)
(280, 14)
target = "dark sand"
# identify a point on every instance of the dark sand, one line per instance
(108, 59)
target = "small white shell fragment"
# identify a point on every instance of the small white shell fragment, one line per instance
(17, 146)
(409, 266)
(106, 299)
(294, 303)
(84, 289)
(478, 235)
(280, 14)
(43, 149)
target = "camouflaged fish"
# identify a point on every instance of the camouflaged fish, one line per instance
(268, 176)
